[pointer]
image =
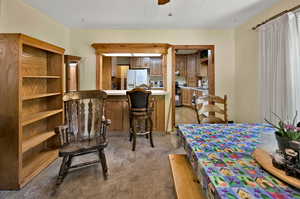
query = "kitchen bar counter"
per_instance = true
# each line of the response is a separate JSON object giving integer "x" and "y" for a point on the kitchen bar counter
{"x": 194, "y": 88}
{"x": 123, "y": 92}
{"x": 117, "y": 110}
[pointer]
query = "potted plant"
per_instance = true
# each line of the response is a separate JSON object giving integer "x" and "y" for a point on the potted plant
{"x": 286, "y": 131}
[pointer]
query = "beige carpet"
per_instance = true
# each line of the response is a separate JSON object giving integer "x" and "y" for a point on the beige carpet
{"x": 143, "y": 174}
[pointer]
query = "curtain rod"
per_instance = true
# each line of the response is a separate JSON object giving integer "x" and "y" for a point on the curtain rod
{"x": 276, "y": 16}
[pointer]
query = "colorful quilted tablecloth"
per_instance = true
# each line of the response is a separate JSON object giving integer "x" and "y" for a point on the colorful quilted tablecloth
{"x": 221, "y": 157}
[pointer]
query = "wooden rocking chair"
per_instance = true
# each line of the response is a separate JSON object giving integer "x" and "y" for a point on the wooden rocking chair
{"x": 74, "y": 139}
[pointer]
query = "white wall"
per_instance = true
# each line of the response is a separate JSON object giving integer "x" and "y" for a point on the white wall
{"x": 247, "y": 102}
{"x": 18, "y": 17}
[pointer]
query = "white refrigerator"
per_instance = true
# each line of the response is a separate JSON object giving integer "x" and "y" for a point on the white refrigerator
{"x": 137, "y": 77}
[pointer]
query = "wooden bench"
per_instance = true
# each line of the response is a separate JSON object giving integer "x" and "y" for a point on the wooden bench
{"x": 186, "y": 182}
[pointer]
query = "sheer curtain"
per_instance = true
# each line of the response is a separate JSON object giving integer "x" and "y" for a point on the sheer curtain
{"x": 280, "y": 68}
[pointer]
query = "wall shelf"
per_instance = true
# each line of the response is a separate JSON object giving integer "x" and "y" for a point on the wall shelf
{"x": 38, "y": 116}
{"x": 39, "y": 96}
{"x": 35, "y": 140}
{"x": 35, "y": 164}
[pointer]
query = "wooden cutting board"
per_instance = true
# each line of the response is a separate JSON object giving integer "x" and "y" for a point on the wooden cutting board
{"x": 264, "y": 159}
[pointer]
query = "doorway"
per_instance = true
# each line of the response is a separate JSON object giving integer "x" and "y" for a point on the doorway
{"x": 72, "y": 73}
{"x": 193, "y": 74}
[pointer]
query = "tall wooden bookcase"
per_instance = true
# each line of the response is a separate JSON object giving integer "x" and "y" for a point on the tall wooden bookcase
{"x": 31, "y": 89}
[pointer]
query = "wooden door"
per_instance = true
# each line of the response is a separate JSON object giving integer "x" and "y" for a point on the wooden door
{"x": 156, "y": 66}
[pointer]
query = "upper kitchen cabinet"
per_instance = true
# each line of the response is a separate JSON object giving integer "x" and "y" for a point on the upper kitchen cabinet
{"x": 181, "y": 65}
{"x": 153, "y": 63}
{"x": 156, "y": 66}
{"x": 140, "y": 62}
{"x": 202, "y": 65}
{"x": 191, "y": 71}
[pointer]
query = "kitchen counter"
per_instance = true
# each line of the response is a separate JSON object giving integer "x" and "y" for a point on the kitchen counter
{"x": 194, "y": 88}
{"x": 123, "y": 92}
{"x": 117, "y": 110}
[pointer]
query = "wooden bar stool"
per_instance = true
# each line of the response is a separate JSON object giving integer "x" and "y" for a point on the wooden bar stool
{"x": 140, "y": 111}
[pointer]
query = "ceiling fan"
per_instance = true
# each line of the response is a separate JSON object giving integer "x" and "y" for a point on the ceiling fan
{"x": 162, "y": 2}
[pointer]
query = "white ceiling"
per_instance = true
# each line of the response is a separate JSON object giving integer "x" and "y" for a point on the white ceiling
{"x": 146, "y": 14}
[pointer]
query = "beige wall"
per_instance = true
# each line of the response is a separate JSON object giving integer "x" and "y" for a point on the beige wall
{"x": 18, "y": 17}
{"x": 247, "y": 98}
{"x": 222, "y": 39}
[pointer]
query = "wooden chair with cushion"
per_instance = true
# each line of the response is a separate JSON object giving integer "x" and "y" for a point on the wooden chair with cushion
{"x": 140, "y": 112}
{"x": 85, "y": 131}
{"x": 211, "y": 109}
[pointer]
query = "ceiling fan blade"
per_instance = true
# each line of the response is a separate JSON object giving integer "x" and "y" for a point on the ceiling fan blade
{"x": 162, "y": 2}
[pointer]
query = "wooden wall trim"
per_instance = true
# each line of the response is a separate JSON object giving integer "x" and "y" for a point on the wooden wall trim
{"x": 131, "y": 48}
{"x": 99, "y": 65}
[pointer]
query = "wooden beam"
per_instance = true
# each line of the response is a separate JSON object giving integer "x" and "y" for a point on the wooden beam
{"x": 131, "y": 48}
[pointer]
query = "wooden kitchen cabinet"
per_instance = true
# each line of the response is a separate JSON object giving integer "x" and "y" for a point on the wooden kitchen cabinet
{"x": 184, "y": 96}
{"x": 203, "y": 70}
{"x": 140, "y": 62}
{"x": 202, "y": 67}
{"x": 187, "y": 95}
{"x": 117, "y": 112}
{"x": 191, "y": 70}
{"x": 181, "y": 65}
{"x": 155, "y": 66}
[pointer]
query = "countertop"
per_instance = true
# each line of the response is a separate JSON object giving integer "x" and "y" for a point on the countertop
{"x": 123, "y": 92}
{"x": 194, "y": 88}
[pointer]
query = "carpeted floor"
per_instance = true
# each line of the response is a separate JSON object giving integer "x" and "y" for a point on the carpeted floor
{"x": 143, "y": 174}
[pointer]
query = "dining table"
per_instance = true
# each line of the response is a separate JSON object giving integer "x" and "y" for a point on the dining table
{"x": 221, "y": 157}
